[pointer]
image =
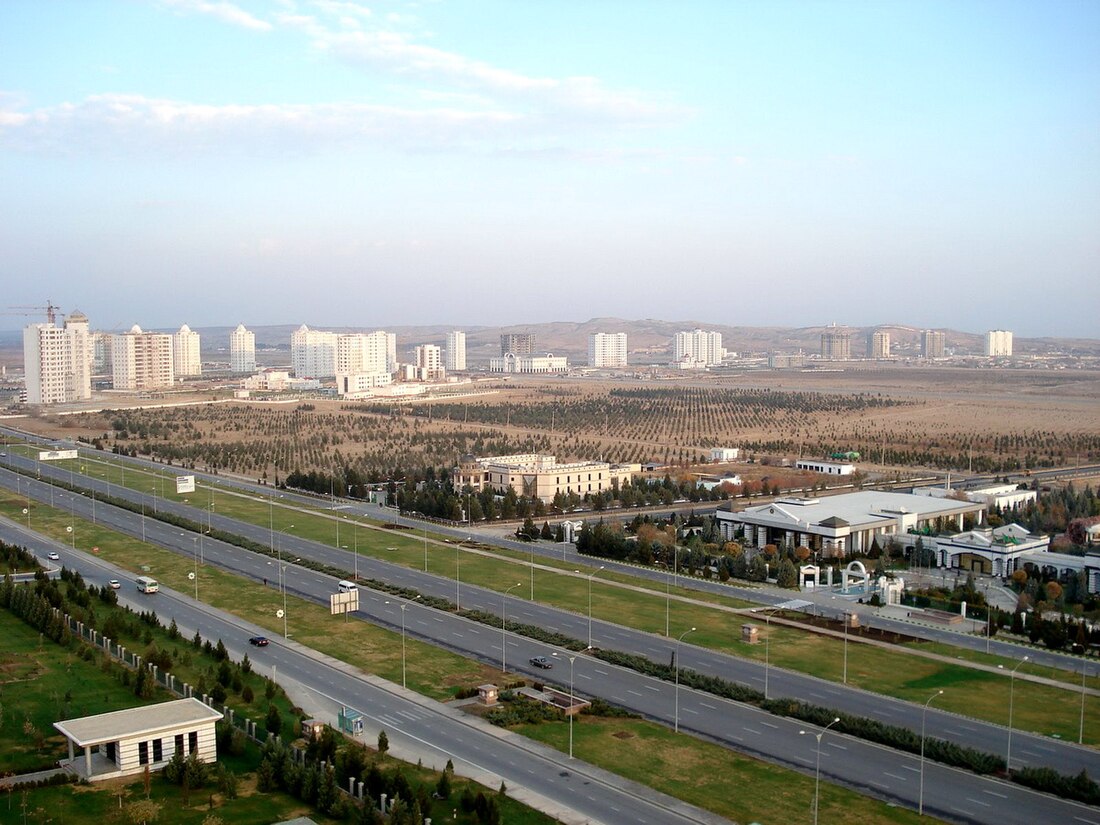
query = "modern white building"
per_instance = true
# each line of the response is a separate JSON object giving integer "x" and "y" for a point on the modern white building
{"x": 997, "y": 551}
{"x": 101, "y": 352}
{"x": 429, "y": 363}
{"x": 878, "y": 344}
{"x": 933, "y": 343}
{"x": 827, "y": 468}
{"x": 186, "y": 359}
{"x": 836, "y": 344}
{"x": 313, "y": 353}
{"x": 126, "y": 742}
{"x": 455, "y": 354}
{"x": 698, "y": 348}
{"x": 57, "y": 361}
{"x": 242, "y": 350}
{"x": 142, "y": 360}
{"x": 362, "y": 384}
{"x": 998, "y": 343}
{"x": 607, "y": 349}
{"x": 279, "y": 381}
{"x": 724, "y": 453}
{"x": 535, "y": 364}
{"x": 844, "y": 524}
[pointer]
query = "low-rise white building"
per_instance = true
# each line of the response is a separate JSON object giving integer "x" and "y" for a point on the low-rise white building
{"x": 826, "y": 468}
{"x": 539, "y": 476}
{"x": 843, "y": 524}
{"x": 279, "y": 381}
{"x": 997, "y": 551}
{"x": 533, "y": 364}
{"x": 724, "y": 453}
{"x": 360, "y": 384}
{"x": 126, "y": 742}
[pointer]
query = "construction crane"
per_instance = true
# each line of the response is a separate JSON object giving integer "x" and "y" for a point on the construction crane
{"x": 50, "y": 310}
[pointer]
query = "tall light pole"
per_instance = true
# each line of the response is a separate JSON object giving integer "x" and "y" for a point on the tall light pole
{"x": 767, "y": 643}
{"x": 504, "y": 626}
{"x": 817, "y": 769}
{"x": 923, "y": 713}
{"x": 425, "y": 548}
{"x": 1081, "y": 729}
{"x": 846, "y": 622}
{"x": 355, "y": 544}
{"x": 532, "y": 570}
{"x": 676, "y": 713}
{"x": 458, "y": 570}
{"x": 571, "y": 659}
{"x": 1011, "y": 691}
{"x": 195, "y": 555}
{"x": 282, "y": 577}
{"x": 590, "y": 575}
{"x": 668, "y": 592}
{"x": 404, "y": 607}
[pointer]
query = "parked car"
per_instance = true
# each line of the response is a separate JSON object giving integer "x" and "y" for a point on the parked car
{"x": 52, "y": 556}
{"x": 541, "y": 661}
{"x": 114, "y": 584}
{"x": 259, "y": 641}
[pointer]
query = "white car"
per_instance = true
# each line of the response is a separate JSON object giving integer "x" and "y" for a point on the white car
{"x": 52, "y": 556}
{"x": 114, "y": 584}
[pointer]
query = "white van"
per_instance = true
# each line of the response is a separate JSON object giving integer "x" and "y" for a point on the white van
{"x": 147, "y": 585}
{"x": 345, "y": 586}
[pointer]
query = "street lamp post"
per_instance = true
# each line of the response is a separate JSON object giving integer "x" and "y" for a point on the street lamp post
{"x": 282, "y": 577}
{"x": 924, "y": 712}
{"x": 572, "y": 659}
{"x": 1081, "y": 729}
{"x": 195, "y": 555}
{"x": 1011, "y": 692}
{"x": 425, "y": 548}
{"x": 504, "y": 627}
{"x": 590, "y": 575}
{"x": 846, "y": 623}
{"x": 668, "y": 592}
{"x": 767, "y": 644}
{"x": 676, "y": 713}
{"x": 404, "y": 607}
{"x": 817, "y": 768}
{"x": 458, "y": 571}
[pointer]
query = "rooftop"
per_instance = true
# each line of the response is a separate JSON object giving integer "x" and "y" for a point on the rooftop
{"x": 107, "y": 727}
{"x": 860, "y": 508}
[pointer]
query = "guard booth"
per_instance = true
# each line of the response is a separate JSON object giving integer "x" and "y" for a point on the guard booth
{"x": 350, "y": 721}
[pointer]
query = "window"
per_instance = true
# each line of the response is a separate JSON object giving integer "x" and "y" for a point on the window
{"x": 143, "y": 753}
{"x": 179, "y": 743}
{"x": 192, "y": 741}
{"x": 158, "y": 754}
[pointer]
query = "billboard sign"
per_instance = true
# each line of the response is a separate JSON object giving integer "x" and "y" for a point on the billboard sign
{"x": 57, "y": 455}
{"x": 185, "y": 484}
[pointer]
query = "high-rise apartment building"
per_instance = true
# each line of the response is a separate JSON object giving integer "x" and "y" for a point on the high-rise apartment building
{"x": 100, "y": 343}
{"x": 429, "y": 363}
{"x": 242, "y": 350}
{"x": 607, "y": 349}
{"x": 455, "y": 355}
{"x": 364, "y": 352}
{"x": 836, "y": 344}
{"x": 698, "y": 348}
{"x": 517, "y": 343}
{"x": 318, "y": 354}
{"x": 57, "y": 361}
{"x": 313, "y": 353}
{"x": 142, "y": 360}
{"x": 933, "y": 344}
{"x": 878, "y": 344}
{"x": 186, "y": 360}
{"x": 998, "y": 343}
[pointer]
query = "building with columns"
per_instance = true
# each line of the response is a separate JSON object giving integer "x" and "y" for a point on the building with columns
{"x": 126, "y": 742}
{"x": 837, "y": 526}
{"x": 538, "y": 476}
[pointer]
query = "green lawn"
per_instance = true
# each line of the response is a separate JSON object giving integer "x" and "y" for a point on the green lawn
{"x": 709, "y": 776}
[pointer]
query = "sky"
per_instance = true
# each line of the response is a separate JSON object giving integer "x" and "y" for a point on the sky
{"x": 763, "y": 163}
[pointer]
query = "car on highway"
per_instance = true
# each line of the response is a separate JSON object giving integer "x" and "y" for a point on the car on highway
{"x": 258, "y": 641}
{"x": 541, "y": 661}
{"x": 52, "y": 556}
{"x": 114, "y": 584}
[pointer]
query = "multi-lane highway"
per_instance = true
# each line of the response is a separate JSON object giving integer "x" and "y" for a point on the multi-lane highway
{"x": 877, "y": 770}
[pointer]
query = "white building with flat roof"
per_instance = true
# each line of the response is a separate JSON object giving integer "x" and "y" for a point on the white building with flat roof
{"x": 997, "y": 551}
{"x": 242, "y": 350}
{"x": 57, "y": 361}
{"x": 126, "y": 742}
{"x": 142, "y": 360}
{"x": 826, "y": 468}
{"x": 186, "y": 358}
{"x": 533, "y": 364}
{"x": 538, "y": 476}
{"x": 455, "y": 352}
{"x": 998, "y": 343}
{"x": 697, "y": 349}
{"x": 843, "y": 524}
{"x": 429, "y": 363}
{"x": 607, "y": 349}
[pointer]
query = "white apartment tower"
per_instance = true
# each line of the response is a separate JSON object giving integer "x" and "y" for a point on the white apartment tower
{"x": 455, "y": 356}
{"x": 186, "y": 360}
{"x": 607, "y": 349}
{"x": 142, "y": 360}
{"x": 57, "y": 361}
{"x": 313, "y": 353}
{"x": 878, "y": 344}
{"x": 698, "y": 348}
{"x": 364, "y": 352}
{"x": 998, "y": 343}
{"x": 242, "y": 350}
{"x": 933, "y": 344}
{"x": 429, "y": 363}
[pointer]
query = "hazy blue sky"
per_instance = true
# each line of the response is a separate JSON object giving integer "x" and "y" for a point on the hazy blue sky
{"x": 479, "y": 162}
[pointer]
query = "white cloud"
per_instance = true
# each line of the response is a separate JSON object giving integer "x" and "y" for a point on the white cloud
{"x": 224, "y": 11}
{"x": 127, "y": 123}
